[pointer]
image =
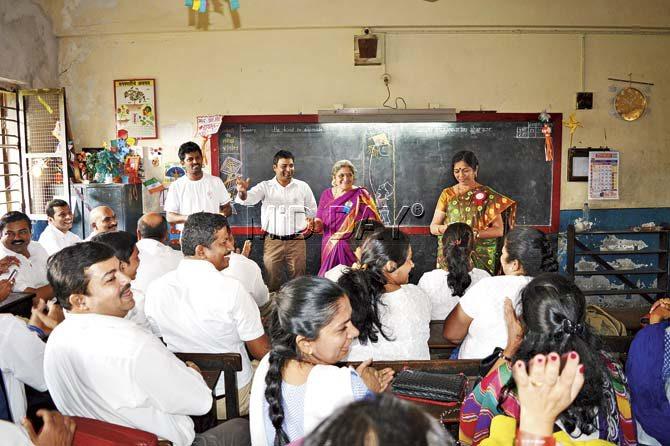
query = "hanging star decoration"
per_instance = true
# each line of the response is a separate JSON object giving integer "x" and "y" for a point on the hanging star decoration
{"x": 545, "y": 119}
{"x": 572, "y": 124}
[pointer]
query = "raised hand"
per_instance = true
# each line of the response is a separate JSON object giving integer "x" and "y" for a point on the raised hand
{"x": 242, "y": 185}
{"x": 7, "y": 262}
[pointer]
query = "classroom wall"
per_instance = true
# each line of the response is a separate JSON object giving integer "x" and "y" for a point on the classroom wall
{"x": 296, "y": 56}
{"x": 28, "y": 46}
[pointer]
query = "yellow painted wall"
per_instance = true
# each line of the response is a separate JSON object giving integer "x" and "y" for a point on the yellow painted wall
{"x": 296, "y": 56}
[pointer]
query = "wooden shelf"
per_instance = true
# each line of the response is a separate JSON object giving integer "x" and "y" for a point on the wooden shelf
{"x": 609, "y": 292}
{"x": 619, "y": 231}
{"x": 616, "y": 272}
{"x": 622, "y": 252}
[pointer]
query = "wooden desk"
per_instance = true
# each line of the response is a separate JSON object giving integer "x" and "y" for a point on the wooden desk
{"x": 18, "y": 304}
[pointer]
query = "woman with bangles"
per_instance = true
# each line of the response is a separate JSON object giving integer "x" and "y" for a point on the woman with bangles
{"x": 476, "y": 205}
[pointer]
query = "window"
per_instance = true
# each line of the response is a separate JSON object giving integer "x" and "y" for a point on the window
{"x": 11, "y": 197}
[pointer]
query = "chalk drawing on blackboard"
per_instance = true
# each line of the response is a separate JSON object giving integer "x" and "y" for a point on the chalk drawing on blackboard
{"x": 386, "y": 217}
{"x": 529, "y": 131}
{"x": 231, "y": 165}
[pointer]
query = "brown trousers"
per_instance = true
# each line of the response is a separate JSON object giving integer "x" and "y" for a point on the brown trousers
{"x": 283, "y": 256}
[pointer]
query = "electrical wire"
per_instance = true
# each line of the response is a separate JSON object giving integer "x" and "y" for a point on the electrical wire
{"x": 388, "y": 90}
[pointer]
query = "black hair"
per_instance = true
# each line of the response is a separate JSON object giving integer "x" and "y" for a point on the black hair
{"x": 364, "y": 284}
{"x": 532, "y": 249}
{"x": 158, "y": 232}
{"x": 282, "y": 154}
{"x": 363, "y": 229}
{"x": 467, "y": 156}
{"x": 303, "y": 307}
{"x": 380, "y": 420}
{"x": 200, "y": 229}
{"x": 121, "y": 242}
{"x": 554, "y": 319}
{"x": 66, "y": 269}
{"x": 56, "y": 203}
{"x": 188, "y": 147}
{"x": 13, "y": 217}
{"x": 458, "y": 242}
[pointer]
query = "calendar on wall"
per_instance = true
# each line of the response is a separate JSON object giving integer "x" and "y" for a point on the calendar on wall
{"x": 604, "y": 175}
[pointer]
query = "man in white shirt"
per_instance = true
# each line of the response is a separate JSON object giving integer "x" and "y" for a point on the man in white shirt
{"x": 21, "y": 362}
{"x": 99, "y": 365}
{"x": 197, "y": 191}
{"x": 248, "y": 272}
{"x": 31, "y": 275}
{"x": 156, "y": 258}
{"x": 124, "y": 245}
{"x": 57, "y": 235}
{"x": 198, "y": 310}
{"x": 103, "y": 219}
{"x": 288, "y": 209}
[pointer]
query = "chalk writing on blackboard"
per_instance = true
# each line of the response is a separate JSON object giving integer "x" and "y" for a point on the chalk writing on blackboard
{"x": 229, "y": 140}
{"x": 531, "y": 130}
{"x": 231, "y": 165}
{"x": 292, "y": 128}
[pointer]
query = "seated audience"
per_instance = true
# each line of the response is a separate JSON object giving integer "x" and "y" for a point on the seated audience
{"x": 380, "y": 420}
{"x": 31, "y": 275}
{"x": 6, "y": 285}
{"x": 392, "y": 316}
{"x": 103, "y": 219}
{"x": 248, "y": 273}
{"x": 363, "y": 229}
{"x": 156, "y": 257}
{"x": 446, "y": 285}
{"x": 99, "y": 365}
{"x": 553, "y": 320}
{"x": 198, "y": 310}
{"x": 57, "y": 431}
{"x": 297, "y": 385}
{"x": 21, "y": 362}
{"x": 648, "y": 372}
{"x": 57, "y": 235}
{"x": 478, "y": 318}
{"x": 124, "y": 245}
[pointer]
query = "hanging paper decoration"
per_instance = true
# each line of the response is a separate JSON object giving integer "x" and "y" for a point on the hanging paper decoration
{"x": 196, "y": 5}
{"x": 188, "y": 3}
{"x": 203, "y": 6}
{"x": 548, "y": 143}
{"x": 46, "y": 106}
{"x": 234, "y": 5}
{"x": 572, "y": 124}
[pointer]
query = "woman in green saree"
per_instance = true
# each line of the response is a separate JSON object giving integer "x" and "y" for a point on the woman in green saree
{"x": 476, "y": 205}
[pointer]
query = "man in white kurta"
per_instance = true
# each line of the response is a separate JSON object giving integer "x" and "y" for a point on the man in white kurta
{"x": 197, "y": 191}
{"x": 21, "y": 362}
{"x": 198, "y": 310}
{"x": 57, "y": 235}
{"x": 99, "y": 365}
{"x": 31, "y": 273}
{"x": 156, "y": 258}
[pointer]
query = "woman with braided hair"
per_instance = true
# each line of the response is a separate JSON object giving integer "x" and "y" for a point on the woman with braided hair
{"x": 478, "y": 319}
{"x": 552, "y": 323}
{"x": 296, "y": 385}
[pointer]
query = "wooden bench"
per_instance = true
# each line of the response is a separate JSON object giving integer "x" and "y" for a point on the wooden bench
{"x": 212, "y": 365}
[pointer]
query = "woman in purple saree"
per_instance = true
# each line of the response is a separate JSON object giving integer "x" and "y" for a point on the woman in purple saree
{"x": 340, "y": 208}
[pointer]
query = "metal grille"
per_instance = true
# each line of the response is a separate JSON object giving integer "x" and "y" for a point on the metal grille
{"x": 46, "y": 182}
{"x": 41, "y": 122}
{"x": 10, "y": 155}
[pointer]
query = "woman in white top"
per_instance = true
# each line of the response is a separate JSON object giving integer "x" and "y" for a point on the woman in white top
{"x": 296, "y": 385}
{"x": 392, "y": 316}
{"x": 478, "y": 319}
{"x": 446, "y": 285}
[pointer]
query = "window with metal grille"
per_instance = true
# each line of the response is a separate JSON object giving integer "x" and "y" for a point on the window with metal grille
{"x": 11, "y": 197}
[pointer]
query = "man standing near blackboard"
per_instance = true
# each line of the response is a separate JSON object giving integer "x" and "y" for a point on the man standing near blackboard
{"x": 287, "y": 211}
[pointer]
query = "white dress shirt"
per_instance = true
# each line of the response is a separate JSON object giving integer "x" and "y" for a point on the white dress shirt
{"x": 197, "y": 309}
{"x": 248, "y": 273}
{"x": 21, "y": 361}
{"x": 442, "y": 299}
{"x": 405, "y": 317}
{"x": 107, "y": 368}
{"x": 53, "y": 239}
{"x": 156, "y": 259}
{"x": 13, "y": 435}
{"x": 284, "y": 209}
{"x": 32, "y": 272}
{"x": 136, "y": 314}
{"x": 186, "y": 196}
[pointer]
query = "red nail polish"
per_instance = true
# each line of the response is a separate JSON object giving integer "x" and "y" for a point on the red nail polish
{"x": 540, "y": 360}
{"x": 553, "y": 357}
{"x": 573, "y": 355}
{"x": 581, "y": 369}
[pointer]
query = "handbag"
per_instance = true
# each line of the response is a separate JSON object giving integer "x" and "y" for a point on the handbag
{"x": 442, "y": 387}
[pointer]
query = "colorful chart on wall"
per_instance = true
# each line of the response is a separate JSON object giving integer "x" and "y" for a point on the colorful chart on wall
{"x": 173, "y": 171}
{"x": 135, "y": 105}
{"x": 604, "y": 175}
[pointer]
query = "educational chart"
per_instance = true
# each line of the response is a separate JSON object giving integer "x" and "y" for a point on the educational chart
{"x": 135, "y": 104}
{"x": 604, "y": 175}
{"x": 405, "y": 166}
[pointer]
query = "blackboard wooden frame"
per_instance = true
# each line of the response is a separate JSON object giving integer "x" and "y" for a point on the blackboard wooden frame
{"x": 556, "y": 121}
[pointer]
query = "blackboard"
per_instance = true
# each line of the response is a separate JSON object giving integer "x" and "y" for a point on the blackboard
{"x": 404, "y": 165}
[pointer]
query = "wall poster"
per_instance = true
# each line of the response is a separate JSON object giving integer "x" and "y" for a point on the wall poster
{"x": 604, "y": 175}
{"x": 135, "y": 105}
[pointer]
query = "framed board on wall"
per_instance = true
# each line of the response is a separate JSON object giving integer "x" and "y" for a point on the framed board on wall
{"x": 135, "y": 107}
